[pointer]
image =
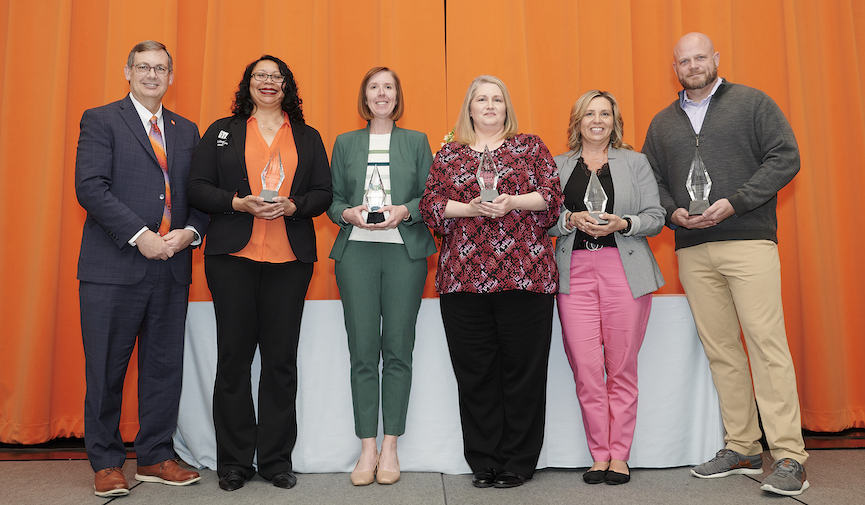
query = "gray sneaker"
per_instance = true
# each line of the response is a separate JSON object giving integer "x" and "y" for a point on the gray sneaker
{"x": 728, "y": 462}
{"x": 788, "y": 478}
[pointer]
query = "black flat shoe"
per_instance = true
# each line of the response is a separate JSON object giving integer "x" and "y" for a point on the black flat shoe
{"x": 506, "y": 479}
{"x": 594, "y": 476}
{"x": 485, "y": 477}
{"x": 616, "y": 478}
{"x": 285, "y": 480}
{"x": 232, "y": 481}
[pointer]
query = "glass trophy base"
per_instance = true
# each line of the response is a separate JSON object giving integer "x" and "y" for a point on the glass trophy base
{"x": 268, "y": 195}
{"x": 697, "y": 207}
{"x": 488, "y": 195}
{"x": 597, "y": 215}
{"x": 375, "y": 218}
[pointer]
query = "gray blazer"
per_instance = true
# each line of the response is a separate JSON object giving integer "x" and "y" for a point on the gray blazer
{"x": 636, "y": 198}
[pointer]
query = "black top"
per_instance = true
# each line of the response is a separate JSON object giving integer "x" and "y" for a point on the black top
{"x": 575, "y": 191}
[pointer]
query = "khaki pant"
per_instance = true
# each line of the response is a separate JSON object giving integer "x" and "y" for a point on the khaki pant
{"x": 739, "y": 282}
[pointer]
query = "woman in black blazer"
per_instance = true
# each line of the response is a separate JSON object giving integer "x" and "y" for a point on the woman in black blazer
{"x": 258, "y": 261}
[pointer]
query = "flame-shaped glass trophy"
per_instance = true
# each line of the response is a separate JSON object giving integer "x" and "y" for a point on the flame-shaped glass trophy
{"x": 272, "y": 177}
{"x": 596, "y": 198}
{"x": 488, "y": 176}
{"x": 699, "y": 184}
{"x": 375, "y": 197}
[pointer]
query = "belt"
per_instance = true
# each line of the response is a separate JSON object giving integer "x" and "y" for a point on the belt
{"x": 589, "y": 246}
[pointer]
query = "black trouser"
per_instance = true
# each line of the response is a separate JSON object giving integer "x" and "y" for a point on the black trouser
{"x": 500, "y": 345}
{"x": 256, "y": 304}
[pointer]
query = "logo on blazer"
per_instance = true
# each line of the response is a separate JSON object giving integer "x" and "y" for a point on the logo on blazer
{"x": 222, "y": 138}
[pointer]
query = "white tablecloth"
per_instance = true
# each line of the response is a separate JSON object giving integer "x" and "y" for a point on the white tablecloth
{"x": 678, "y": 418}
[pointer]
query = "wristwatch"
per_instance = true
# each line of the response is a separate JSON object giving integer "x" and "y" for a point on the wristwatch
{"x": 627, "y": 228}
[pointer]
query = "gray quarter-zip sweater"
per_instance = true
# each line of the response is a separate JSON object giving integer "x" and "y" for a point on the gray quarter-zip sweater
{"x": 749, "y": 150}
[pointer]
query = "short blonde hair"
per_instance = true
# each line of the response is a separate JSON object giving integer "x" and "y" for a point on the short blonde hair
{"x": 363, "y": 108}
{"x": 464, "y": 132}
{"x": 575, "y": 136}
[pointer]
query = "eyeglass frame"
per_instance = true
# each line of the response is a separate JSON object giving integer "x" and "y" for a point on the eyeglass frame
{"x": 272, "y": 77}
{"x": 144, "y": 69}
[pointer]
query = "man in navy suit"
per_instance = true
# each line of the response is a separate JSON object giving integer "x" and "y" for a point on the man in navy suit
{"x": 135, "y": 268}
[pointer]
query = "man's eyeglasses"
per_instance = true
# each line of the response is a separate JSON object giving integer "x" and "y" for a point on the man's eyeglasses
{"x": 262, "y": 77}
{"x": 144, "y": 69}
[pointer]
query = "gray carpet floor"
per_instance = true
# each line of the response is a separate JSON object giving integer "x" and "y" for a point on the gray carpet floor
{"x": 836, "y": 477}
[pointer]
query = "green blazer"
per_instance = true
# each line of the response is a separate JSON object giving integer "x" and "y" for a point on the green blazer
{"x": 410, "y": 160}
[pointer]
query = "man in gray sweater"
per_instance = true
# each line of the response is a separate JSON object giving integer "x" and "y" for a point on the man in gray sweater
{"x": 728, "y": 256}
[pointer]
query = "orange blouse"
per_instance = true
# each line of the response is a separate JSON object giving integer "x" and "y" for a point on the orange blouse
{"x": 269, "y": 240}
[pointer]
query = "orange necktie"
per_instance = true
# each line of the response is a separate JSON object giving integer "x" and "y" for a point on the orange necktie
{"x": 159, "y": 149}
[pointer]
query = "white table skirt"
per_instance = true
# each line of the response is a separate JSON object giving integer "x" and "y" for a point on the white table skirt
{"x": 678, "y": 418}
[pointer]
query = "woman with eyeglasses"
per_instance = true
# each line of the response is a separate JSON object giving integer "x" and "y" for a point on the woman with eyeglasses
{"x": 262, "y": 175}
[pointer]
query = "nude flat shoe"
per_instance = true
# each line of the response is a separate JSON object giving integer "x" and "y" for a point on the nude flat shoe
{"x": 364, "y": 478}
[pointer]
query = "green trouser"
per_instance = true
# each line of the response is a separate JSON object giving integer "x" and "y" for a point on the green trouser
{"x": 381, "y": 289}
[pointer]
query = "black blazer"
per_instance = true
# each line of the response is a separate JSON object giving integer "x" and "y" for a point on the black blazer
{"x": 218, "y": 173}
{"x": 119, "y": 183}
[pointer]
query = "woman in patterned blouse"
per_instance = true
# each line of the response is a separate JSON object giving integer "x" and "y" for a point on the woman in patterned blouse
{"x": 497, "y": 280}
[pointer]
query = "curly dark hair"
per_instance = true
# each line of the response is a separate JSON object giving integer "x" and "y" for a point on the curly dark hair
{"x": 292, "y": 104}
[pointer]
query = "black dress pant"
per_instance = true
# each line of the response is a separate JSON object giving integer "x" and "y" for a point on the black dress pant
{"x": 257, "y": 305}
{"x": 500, "y": 345}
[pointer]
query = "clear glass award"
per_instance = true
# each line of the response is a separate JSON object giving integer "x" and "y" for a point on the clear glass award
{"x": 596, "y": 198}
{"x": 375, "y": 197}
{"x": 272, "y": 177}
{"x": 488, "y": 176}
{"x": 699, "y": 184}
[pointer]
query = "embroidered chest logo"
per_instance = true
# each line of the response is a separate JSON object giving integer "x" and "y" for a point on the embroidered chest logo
{"x": 222, "y": 138}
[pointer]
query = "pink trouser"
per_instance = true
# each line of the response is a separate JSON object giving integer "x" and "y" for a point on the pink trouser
{"x": 603, "y": 328}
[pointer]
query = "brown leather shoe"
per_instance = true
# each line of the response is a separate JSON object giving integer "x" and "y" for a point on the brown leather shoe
{"x": 110, "y": 482}
{"x": 167, "y": 472}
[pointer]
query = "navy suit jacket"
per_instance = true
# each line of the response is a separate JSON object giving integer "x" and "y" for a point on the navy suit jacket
{"x": 119, "y": 183}
{"x": 219, "y": 173}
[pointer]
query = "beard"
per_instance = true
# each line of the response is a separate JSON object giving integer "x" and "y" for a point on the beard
{"x": 700, "y": 83}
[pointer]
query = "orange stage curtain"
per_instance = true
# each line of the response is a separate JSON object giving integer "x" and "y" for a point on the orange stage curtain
{"x": 59, "y": 58}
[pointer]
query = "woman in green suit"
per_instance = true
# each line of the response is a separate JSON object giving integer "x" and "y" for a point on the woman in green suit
{"x": 381, "y": 267}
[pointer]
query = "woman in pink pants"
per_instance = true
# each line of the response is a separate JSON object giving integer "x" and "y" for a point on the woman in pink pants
{"x": 606, "y": 276}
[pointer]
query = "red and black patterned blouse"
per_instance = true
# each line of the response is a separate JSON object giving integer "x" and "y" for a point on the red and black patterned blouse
{"x": 483, "y": 255}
